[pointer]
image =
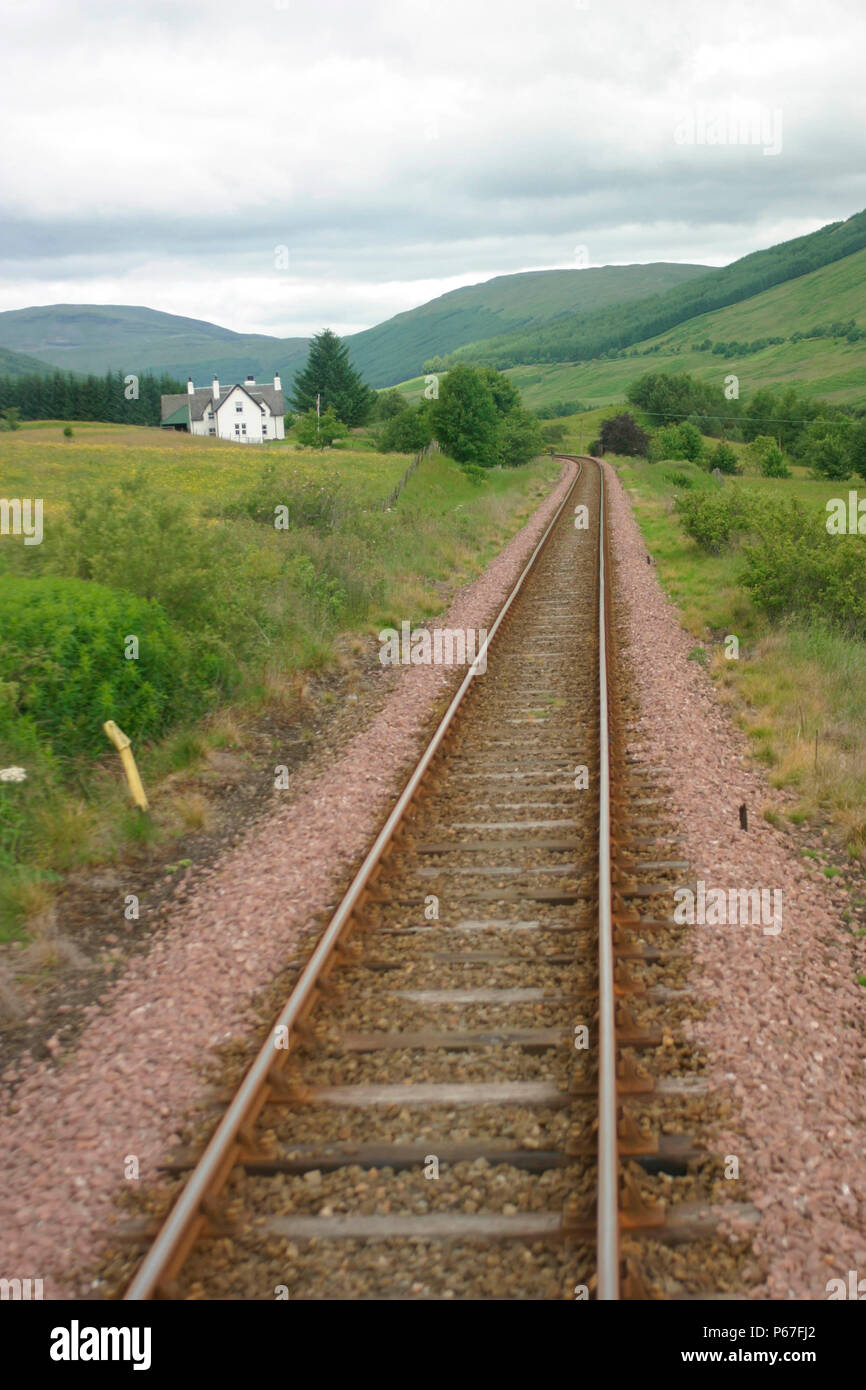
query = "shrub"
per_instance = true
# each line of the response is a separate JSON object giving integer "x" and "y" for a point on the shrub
{"x": 63, "y": 671}
{"x": 765, "y": 454}
{"x": 186, "y": 567}
{"x": 621, "y": 434}
{"x": 793, "y": 567}
{"x": 773, "y": 464}
{"x": 388, "y": 404}
{"x": 714, "y": 519}
{"x": 474, "y": 472}
{"x": 408, "y": 431}
{"x": 677, "y": 478}
{"x": 67, "y": 431}
{"x": 724, "y": 458}
{"x": 320, "y": 432}
{"x": 829, "y": 457}
{"x": 825, "y": 446}
{"x": 677, "y": 442}
{"x": 692, "y": 442}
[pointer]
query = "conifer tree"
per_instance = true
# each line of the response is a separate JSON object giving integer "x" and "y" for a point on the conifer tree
{"x": 328, "y": 373}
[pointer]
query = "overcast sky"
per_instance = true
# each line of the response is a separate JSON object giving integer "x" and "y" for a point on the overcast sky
{"x": 278, "y": 167}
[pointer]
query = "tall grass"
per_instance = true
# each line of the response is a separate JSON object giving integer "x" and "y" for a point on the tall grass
{"x": 253, "y": 608}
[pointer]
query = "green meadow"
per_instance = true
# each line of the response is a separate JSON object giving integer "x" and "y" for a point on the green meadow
{"x": 172, "y": 540}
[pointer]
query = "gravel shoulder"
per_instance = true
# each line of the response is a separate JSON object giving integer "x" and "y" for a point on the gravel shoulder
{"x": 116, "y": 1101}
{"x": 785, "y": 1035}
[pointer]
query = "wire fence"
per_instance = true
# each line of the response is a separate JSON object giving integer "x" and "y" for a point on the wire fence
{"x": 391, "y": 499}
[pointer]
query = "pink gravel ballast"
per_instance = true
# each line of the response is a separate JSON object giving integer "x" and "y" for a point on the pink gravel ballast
{"x": 785, "y": 1036}
{"x": 125, "y": 1087}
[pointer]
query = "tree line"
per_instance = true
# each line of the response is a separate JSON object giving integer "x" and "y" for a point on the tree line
{"x": 776, "y": 423}
{"x": 116, "y": 398}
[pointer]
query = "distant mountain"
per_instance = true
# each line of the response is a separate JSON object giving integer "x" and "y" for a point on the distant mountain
{"x": 399, "y": 347}
{"x": 120, "y": 337}
{"x": 581, "y": 337}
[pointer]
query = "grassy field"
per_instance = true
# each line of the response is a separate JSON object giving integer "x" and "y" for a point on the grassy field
{"x": 182, "y": 532}
{"x": 797, "y": 689}
{"x": 197, "y": 468}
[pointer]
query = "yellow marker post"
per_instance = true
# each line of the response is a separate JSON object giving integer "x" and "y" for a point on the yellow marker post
{"x": 124, "y": 748}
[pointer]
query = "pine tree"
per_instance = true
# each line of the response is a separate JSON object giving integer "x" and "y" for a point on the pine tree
{"x": 329, "y": 373}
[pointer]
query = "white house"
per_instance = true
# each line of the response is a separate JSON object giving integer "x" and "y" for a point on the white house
{"x": 247, "y": 414}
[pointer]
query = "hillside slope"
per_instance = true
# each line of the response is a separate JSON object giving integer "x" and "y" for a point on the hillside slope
{"x": 582, "y": 337}
{"x": 399, "y": 347}
{"x": 826, "y": 366}
{"x": 18, "y": 364}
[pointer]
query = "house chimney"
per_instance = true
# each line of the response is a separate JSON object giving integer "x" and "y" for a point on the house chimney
{"x": 189, "y": 386}
{"x": 215, "y": 389}
{"x": 278, "y": 385}
{"x": 250, "y": 381}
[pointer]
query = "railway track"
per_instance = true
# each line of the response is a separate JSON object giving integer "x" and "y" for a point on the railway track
{"x": 445, "y": 1105}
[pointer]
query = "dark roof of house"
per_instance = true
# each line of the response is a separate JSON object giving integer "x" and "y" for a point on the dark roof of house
{"x": 199, "y": 400}
{"x": 180, "y": 416}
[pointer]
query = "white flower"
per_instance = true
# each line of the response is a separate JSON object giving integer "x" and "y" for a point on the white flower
{"x": 13, "y": 774}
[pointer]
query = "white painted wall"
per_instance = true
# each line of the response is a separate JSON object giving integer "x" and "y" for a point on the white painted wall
{"x": 239, "y": 418}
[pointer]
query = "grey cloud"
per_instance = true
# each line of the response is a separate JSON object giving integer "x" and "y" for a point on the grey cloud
{"x": 552, "y": 127}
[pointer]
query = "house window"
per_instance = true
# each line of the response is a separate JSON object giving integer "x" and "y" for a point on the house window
{"x": 239, "y": 405}
{"x": 237, "y": 429}
{"x": 244, "y": 429}
{"x": 212, "y": 429}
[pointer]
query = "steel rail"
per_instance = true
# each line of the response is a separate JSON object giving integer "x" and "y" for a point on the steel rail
{"x": 607, "y": 1235}
{"x": 186, "y": 1218}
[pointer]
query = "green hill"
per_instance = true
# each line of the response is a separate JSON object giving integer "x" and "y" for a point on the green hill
{"x": 582, "y": 337}
{"x": 398, "y": 348}
{"x": 120, "y": 337}
{"x": 823, "y": 364}
{"x": 17, "y": 364}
